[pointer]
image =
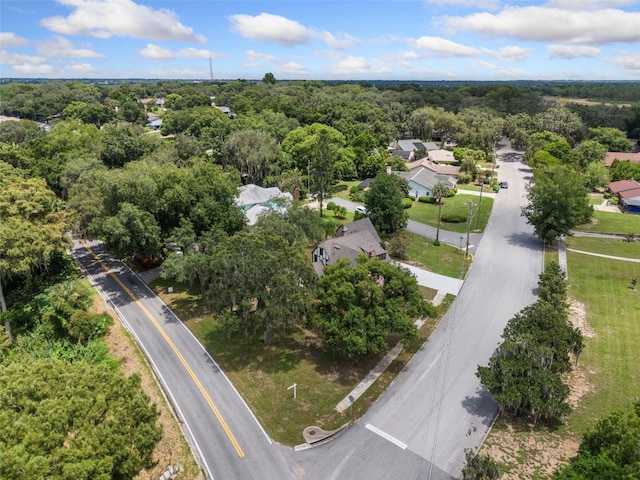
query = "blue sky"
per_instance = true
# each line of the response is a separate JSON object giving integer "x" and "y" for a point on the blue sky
{"x": 331, "y": 39}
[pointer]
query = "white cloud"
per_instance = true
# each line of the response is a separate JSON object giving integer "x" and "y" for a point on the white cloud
{"x": 254, "y": 56}
{"x": 7, "y": 58}
{"x": 82, "y": 69}
{"x": 125, "y": 18}
{"x": 543, "y": 24}
{"x": 274, "y": 28}
{"x": 353, "y": 66}
{"x": 156, "y": 52}
{"x": 267, "y": 27}
{"x": 570, "y": 52}
{"x": 343, "y": 42}
{"x": 293, "y": 68}
{"x": 62, "y": 47}
{"x": 40, "y": 70}
{"x": 8, "y": 39}
{"x": 444, "y": 47}
{"x": 628, "y": 61}
{"x": 510, "y": 54}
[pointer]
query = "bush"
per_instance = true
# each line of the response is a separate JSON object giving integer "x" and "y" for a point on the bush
{"x": 464, "y": 179}
{"x": 406, "y": 203}
{"x": 452, "y": 192}
{"x": 427, "y": 200}
{"x": 356, "y": 194}
{"x": 454, "y": 217}
{"x": 331, "y": 206}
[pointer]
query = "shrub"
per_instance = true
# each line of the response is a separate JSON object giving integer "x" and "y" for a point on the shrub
{"x": 406, "y": 203}
{"x": 427, "y": 200}
{"x": 356, "y": 194}
{"x": 331, "y": 206}
{"x": 464, "y": 179}
{"x": 454, "y": 217}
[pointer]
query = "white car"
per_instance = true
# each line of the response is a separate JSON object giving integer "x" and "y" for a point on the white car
{"x": 361, "y": 209}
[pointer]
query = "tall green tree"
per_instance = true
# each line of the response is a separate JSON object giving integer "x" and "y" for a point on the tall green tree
{"x": 359, "y": 306}
{"x": 260, "y": 280}
{"x": 384, "y": 202}
{"x": 612, "y": 139}
{"x": 62, "y": 420}
{"x": 558, "y": 202}
{"x": 33, "y": 227}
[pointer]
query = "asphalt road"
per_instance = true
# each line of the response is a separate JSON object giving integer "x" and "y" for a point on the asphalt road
{"x": 223, "y": 432}
{"x": 420, "y": 427}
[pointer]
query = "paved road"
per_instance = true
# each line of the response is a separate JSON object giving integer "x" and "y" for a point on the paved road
{"x": 437, "y": 407}
{"x": 223, "y": 432}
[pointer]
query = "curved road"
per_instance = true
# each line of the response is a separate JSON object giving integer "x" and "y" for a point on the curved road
{"x": 225, "y": 436}
{"x": 418, "y": 429}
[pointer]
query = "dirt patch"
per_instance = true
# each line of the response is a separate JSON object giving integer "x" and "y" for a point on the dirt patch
{"x": 173, "y": 448}
{"x": 530, "y": 451}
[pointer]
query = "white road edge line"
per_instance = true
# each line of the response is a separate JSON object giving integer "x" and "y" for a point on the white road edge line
{"x": 386, "y": 436}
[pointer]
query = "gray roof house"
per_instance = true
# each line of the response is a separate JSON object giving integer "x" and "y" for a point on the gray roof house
{"x": 351, "y": 240}
{"x": 407, "y": 148}
{"x": 255, "y": 200}
{"x": 422, "y": 180}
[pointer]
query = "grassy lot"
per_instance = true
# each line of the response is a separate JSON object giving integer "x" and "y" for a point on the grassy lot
{"x": 612, "y": 222}
{"x": 607, "y": 372}
{"x": 443, "y": 259}
{"x": 605, "y": 246}
{"x": 610, "y": 357}
{"x": 342, "y": 189}
{"x": 427, "y": 213}
{"x": 262, "y": 374}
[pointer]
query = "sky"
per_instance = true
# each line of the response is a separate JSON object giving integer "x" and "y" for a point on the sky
{"x": 321, "y": 40}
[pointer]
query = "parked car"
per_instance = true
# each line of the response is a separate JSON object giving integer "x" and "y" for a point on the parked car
{"x": 504, "y": 185}
{"x": 362, "y": 210}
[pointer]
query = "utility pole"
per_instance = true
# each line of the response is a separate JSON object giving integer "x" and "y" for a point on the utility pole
{"x": 470, "y": 205}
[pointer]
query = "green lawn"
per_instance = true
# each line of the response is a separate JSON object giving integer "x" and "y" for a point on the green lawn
{"x": 427, "y": 213}
{"x": 262, "y": 374}
{"x": 612, "y": 222}
{"x": 605, "y": 246}
{"x": 443, "y": 259}
{"x": 611, "y": 355}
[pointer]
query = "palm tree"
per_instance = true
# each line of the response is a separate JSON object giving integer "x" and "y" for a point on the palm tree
{"x": 440, "y": 190}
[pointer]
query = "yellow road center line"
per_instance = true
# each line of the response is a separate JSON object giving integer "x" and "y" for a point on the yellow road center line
{"x": 193, "y": 376}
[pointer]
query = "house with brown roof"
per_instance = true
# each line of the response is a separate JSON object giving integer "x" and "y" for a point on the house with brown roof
{"x": 633, "y": 157}
{"x": 628, "y": 193}
{"x": 352, "y": 239}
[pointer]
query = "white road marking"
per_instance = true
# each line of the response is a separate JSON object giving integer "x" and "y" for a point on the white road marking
{"x": 386, "y": 436}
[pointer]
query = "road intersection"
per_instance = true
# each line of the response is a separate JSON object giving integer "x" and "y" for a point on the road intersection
{"x": 419, "y": 428}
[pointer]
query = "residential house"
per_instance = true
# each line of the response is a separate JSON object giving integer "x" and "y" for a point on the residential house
{"x": 255, "y": 200}
{"x": 352, "y": 239}
{"x": 422, "y": 180}
{"x": 227, "y": 111}
{"x": 439, "y": 162}
{"x": 628, "y": 193}
{"x": 633, "y": 157}
{"x": 407, "y": 148}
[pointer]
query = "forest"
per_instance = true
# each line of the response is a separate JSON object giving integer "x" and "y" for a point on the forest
{"x": 84, "y": 157}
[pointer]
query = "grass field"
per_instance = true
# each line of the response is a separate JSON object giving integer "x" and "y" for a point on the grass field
{"x": 262, "y": 373}
{"x": 427, "y": 213}
{"x": 605, "y": 246}
{"x": 443, "y": 259}
{"x": 609, "y": 222}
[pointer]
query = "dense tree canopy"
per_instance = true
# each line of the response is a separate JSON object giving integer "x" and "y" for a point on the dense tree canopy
{"x": 62, "y": 421}
{"x": 360, "y": 306}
